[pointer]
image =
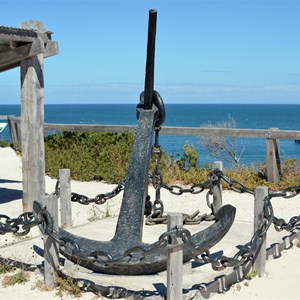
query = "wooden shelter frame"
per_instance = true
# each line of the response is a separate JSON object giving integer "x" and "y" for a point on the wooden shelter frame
{"x": 26, "y": 47}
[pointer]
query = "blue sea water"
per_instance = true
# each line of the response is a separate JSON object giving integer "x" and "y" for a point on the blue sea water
{"x": 285, "y": 117}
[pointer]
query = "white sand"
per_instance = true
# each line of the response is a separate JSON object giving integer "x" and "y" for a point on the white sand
{"x": 280, "y": 281}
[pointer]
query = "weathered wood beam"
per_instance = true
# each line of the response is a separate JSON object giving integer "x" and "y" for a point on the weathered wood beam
{"x": 51, "y": 49}
{"x": 4, "y": 48}
{"x": 90, "y": 128}
{"x": 192, "y": 131}
{"x": 17, "y": 37}
{"x": 13, "y": 57}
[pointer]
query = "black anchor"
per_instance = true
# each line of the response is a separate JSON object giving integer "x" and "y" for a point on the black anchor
{"x": 124, "y": 254}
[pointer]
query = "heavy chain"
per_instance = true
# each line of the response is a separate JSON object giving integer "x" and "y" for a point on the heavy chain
{"x": 99, "y": 199}
{"x": 157, "y": 180}
{"x": 289, "y": 192}
{"x": 176, "y": 236}
{"x": 40, "y": 217}
{"x": 235, "y": 185}
{"x": 138, "y": 253}
{"x": 182, "y": 235}
{"x": 202, "y": 255}
{"x": 279, "y": 223}
{"x": 247, "y": 251}
{"x": 22, "y": 225}
{"x": 19, "y": 226}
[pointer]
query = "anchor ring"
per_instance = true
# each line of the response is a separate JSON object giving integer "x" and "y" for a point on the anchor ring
{"x": 158, "y": 102}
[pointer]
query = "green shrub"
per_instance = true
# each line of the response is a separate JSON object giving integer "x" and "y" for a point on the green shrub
{"x": 106, "y": 156}
{"x": 189, "y": 158}
{"x": 191, "y": 155}
{"x": 89, "y": 156}
{"x": 4, "y": 144}
{"x": 6, "y": 267}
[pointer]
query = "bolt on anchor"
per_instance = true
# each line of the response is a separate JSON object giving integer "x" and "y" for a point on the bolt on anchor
{"x": 125, "y": 253}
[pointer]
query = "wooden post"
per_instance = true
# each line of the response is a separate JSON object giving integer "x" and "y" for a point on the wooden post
{"x": 65, "y": 198}
{"x": 13, "y": 130}
{"x": 175, "y": 262}
{"x": 32, "y": 128}
{"x": 51, "y": 249}
{"x": 217, "y": 188}
{"x": 19, "y": 133}
{"x": 273, "y": 159}
{"x": 259, "y": 264}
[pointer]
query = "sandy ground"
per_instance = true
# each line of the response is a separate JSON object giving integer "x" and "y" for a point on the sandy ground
{"x": 280, "y": 281}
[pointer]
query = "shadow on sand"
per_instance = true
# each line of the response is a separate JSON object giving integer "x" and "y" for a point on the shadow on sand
{"x": 9, "y": 194}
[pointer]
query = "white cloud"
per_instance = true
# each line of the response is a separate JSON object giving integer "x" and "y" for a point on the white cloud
{"x": 171, "y": 93}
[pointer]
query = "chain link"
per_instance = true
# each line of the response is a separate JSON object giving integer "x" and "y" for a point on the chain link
{"x": 234, "y": 184}
{"x": 279, "y": 223}
{"x": 19, "y": 226}
{"x": 22, "y": 225}
{"x": 99, "y": 199}
{"x": 247, "y": 251}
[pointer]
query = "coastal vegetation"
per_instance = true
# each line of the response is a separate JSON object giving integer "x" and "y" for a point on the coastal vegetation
{"x": 223, "y": 148}
{"x": 11, "y": 275}
{"x": 106, "y": 156}
{"x": 4, "y": 143}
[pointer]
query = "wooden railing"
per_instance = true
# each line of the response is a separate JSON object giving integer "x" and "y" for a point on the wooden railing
{"x": 272, "y": 136}
{"x": 15, "y": 129}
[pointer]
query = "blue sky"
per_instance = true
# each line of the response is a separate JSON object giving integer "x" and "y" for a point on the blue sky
{"x": 206, "y": 51}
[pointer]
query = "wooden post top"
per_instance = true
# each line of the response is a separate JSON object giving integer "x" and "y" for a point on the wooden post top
{"x": 33, "y": 25}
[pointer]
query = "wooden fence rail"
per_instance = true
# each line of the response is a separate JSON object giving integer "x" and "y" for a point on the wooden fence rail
{"x": 192, "y": 131}
{"x": 272, "y": 136}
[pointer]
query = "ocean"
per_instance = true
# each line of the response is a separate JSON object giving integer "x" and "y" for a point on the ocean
{"x": 254, "y": 116}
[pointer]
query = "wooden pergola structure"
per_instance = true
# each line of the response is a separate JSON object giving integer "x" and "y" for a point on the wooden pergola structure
{"x": 26, "y": 47}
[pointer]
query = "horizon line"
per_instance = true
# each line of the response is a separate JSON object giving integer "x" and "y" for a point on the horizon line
{"x": 173, "y": 103}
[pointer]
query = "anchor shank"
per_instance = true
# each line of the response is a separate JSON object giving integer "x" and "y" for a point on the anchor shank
{"x": 130, "y": 222}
